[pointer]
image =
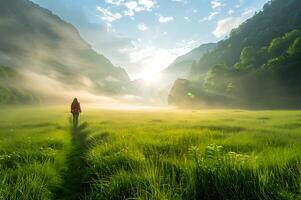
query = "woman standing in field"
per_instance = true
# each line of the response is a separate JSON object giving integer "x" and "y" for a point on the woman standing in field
{"x": 75, "y": 110}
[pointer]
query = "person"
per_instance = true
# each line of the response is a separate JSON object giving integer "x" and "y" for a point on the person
{"x": 75, "y": 110}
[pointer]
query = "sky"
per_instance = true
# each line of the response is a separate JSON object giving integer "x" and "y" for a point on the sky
{"x": 145, "y": 36}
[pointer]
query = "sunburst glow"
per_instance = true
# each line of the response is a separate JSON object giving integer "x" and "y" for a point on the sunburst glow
{"x": 150, "y": 76}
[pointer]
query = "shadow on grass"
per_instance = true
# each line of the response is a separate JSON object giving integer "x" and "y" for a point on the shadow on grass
{"x": 221, "y": 128}
{"x": 75, "y": 185}
{"x": 289, "y": 126}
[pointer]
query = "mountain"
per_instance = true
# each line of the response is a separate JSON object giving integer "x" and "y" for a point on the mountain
{"x": 257, "y": 66}
{"x": 181, "y": 67}
{"x": 11, "y": 91}
{"x": 194, "y": 54}
{"x": 35, "y": 41}
{"x": 276, "y": 19}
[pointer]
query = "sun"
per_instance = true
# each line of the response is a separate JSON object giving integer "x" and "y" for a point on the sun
{"x": 150, "y": 76}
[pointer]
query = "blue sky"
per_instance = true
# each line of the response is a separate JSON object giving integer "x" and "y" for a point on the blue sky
{"x": 145, "y": 36}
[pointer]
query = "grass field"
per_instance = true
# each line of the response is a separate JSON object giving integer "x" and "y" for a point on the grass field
{"x": 164, "y": 154}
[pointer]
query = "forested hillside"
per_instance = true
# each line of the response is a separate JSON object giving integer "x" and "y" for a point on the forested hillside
{"x": 257, "y": 66}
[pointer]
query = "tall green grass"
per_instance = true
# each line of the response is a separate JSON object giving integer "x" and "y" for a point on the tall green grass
{"x": 230, "y": 154}
{"x": 33, "y": 144}
{"x": 166, "y": 154}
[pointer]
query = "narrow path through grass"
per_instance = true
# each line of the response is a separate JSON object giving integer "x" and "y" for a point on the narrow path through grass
{"x": 74, "y": 186}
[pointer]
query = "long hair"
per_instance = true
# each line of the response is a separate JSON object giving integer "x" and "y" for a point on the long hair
{"x": 75, "y": 100}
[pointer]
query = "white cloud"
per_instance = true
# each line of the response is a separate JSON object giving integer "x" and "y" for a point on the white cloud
{"x": 133, "y": 6}
{"x": 129, "y": 13}
{"x": 187, "y": 19}
{"x": 165, "y": 19}
{"x": 224, "y": 26}
{"x": 115, "y": 2}
{"x": 248, "y": 13}
{"x": 180, "y": 1}
{"x": 107, "y": 15}
{"x": 148, "y": 4}
{"x": 142, "y": 27}
{"x": 164, "y": 33}
{"x": 209, "y": 17}
{"x": 192, "y": 42}
{"x": 216, "y": 4}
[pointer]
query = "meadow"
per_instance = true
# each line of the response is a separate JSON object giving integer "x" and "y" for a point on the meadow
{"x": 149, "y": 154}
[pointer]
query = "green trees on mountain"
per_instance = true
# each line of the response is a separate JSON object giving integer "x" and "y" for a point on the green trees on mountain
{"x": 259, "y": 64}
{"x": 277, "y": 18}
{"x": 269, "y": 74}
{"x": 218, "y": 78}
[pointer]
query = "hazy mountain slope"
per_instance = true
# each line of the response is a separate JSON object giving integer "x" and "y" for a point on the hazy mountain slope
{"x": 257, "y": 66}
{"x": 181, "y": 67}
{"x": 35, "y": 40}
{"x": 11, "y": 91}
{"x": 195, "y": 54}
